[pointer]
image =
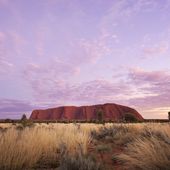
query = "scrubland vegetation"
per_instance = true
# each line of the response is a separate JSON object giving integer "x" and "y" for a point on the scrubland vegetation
{"x": 143, "y": 146}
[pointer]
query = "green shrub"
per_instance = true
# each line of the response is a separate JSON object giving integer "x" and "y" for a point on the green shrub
{"x": 25, "y": 122}
{"x": 103, "y": 132}
{"x": 114, "y": 158}
{"x": 100, "y": 116}
{"x": 24, "y": 117}
{"x": 78, "y": 161}
{"x": 8, "y": 121}
{"x": 103, "y": 148}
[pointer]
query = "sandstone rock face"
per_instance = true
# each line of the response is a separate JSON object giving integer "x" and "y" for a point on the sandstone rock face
{"x": 111, "y": 112}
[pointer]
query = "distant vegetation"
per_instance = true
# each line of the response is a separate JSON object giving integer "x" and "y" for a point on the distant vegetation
{"x": 130, "y": 118}
{"x": 24, "y": 117}
{"x": 82, "y": 121}
{"x": 100, "y": 115}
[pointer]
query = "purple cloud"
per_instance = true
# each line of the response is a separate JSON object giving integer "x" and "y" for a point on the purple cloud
{"x": 5, "y": 64}
{"x": 13, "y": 108}
{"x": 76, "y": 56}
{"x": 155, "y": 86}
{"x": 141, "y": 89}
{"x": 139, "y": 75}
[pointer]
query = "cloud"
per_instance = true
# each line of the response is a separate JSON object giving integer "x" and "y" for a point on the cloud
{"x": 89, "y": 51}
{"x": 41, "y": 38}
{"x": 53, "y": 69}
{"x": 155, "y": 45}
{"x": 4, "y": 2}
{"x": 52, "y": 82}
{"x": 142, "y": 76}
{"x": 18, "y": 42}
{"x": 44, "y": 77}
{"x": 10, "y": 108}
{"x": 60, "y": 89}
{"x": 155, "y": 86}
{"x": 2, "y": 42}
{"x": 161, "y": 113}
{"x": 140, "y": 89}
{"x": 5, "y": 64}
{"x": 56, "y": 70}
{"x": 123, "y": 10}
{"x": 96, "y": 91}
{"x": 155, "y": 50}
{"x": 13, "y": 41}
{"x": 14, "y": 109}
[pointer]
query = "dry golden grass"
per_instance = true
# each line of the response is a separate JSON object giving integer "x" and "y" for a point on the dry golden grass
{"x": 147, "y": 144}
{"x": 24, "y": 148}
{"x": 149, "y": 149}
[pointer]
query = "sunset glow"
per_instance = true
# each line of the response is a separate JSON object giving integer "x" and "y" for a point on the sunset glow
{"x": 84, "y": 52}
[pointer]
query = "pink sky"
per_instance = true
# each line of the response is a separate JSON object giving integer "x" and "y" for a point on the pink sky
{"x": 62, "y": 52}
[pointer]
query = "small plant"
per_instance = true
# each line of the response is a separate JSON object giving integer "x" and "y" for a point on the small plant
{"x": 24, "y": 117}
{"x": 78, "y": 161}
{"x": 103, "y": 132}
{"x": 25, "y": 122}
{"x": 100, "y": 116}
{"x": 101, "y": 149}
{"x": 130, "y": 117}
{"x": 110, "y": 121}
{"x": 114, "y": 158}
{"x": 48, "y": 161}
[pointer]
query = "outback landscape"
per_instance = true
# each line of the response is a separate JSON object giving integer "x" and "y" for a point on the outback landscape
{"x": 84, "y": 84}
{"x": 76, "y": 146}
{"x": 63, "y": 139}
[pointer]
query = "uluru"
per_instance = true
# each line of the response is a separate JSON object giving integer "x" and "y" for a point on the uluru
{"x": 110, "y": 111}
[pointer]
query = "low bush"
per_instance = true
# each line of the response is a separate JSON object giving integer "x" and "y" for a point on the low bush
{"x": 130, "y": 118}
{"x": 78, "y": 161}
